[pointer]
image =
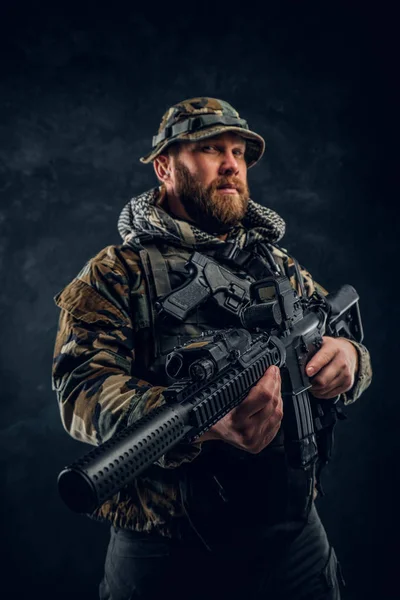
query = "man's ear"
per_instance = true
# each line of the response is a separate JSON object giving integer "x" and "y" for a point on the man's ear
{"x": 162, "y": 167}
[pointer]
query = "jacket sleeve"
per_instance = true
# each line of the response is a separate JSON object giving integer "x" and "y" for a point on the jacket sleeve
{"x": 363, "y": 376}
{"x": 94, "y": 356}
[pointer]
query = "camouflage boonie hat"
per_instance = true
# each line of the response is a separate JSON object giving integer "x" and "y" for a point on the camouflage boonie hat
{"x": 200, "y": 118}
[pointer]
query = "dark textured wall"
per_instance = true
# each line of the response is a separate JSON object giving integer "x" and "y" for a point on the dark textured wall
{"x": 82, "y": 91}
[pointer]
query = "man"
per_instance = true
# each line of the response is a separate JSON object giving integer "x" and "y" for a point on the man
{"x": 226, "y": 516}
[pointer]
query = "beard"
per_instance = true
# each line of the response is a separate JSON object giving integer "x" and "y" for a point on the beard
{"x": 208, "y": 206}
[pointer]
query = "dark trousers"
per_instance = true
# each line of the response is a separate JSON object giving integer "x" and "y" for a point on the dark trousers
{"x": 149, "y": 567}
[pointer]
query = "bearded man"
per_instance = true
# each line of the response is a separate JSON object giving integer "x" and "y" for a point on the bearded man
{"x": 226, "y": 516}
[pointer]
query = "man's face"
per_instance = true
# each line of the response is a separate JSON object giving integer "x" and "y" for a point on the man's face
{"x": 210, "y": 179}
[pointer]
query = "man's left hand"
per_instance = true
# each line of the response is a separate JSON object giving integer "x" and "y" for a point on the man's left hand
{"x": 332, "y": 368}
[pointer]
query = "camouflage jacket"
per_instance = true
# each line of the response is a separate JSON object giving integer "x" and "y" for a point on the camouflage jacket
{"x": 103, "y": 362}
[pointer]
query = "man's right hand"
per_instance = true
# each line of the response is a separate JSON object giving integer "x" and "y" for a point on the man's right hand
{"x": 254, "y": 423}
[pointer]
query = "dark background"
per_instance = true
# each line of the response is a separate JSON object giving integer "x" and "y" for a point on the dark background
{"x": 82, "y": 91}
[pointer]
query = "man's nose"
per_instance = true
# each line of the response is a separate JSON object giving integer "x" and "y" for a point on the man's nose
{"x": 229, "y": 164}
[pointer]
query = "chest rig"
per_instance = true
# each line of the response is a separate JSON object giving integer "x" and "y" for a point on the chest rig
{"x": 178, "y": 313}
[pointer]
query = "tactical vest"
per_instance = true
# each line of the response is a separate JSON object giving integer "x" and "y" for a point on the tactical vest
{"x": 164, "y": 271}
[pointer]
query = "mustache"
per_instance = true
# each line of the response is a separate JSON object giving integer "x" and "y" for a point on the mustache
{"x": 234, "y": 182}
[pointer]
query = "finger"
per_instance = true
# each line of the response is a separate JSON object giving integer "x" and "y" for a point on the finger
{"x": 327, "y": 376}
{"x": 263, "y": 396}
{"x": 260, "y": 394}
{"x": 261, "y": 431}
{"x": 342, "y": 383}
{"x": 320, "y": 359}
{"x": 327, "y": 391}
{"x": 328, "y": 395}
{"x": 269, "y": 434}
{"x": 337, "y": 374}
{"x": 272, "y": 408}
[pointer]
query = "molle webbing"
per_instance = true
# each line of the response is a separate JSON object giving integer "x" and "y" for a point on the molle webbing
{"x": 155, "y": 271}
{"x": 160, "y": 271}
{"x": 157, "y": 279}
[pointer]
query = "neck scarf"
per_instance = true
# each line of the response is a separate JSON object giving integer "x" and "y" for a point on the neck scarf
{"x": 145, "y": 215}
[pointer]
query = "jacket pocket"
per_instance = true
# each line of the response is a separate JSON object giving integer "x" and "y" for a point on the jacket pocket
{"x": 85, "y": 303}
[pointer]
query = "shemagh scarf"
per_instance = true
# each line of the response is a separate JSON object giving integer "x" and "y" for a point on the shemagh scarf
{"x": 143, "y": 215}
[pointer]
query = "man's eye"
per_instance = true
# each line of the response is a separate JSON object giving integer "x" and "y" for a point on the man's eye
{"x": 239, "y": 152}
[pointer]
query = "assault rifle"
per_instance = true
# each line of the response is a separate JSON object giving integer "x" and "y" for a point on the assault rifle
{"x": 212, "y": 374}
